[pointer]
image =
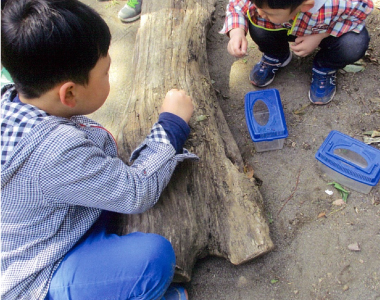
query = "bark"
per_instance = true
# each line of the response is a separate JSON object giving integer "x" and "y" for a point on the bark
{"x": 209, "y": 207}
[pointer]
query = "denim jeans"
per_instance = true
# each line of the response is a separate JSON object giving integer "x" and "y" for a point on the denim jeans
{"x": 110, "y": 267}
{"x": 334, "y": 53}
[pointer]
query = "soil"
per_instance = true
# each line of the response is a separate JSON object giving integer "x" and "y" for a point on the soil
{"x": 312, "y": 258}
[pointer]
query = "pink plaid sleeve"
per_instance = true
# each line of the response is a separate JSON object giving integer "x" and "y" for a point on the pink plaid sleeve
{"x": 236, "y": 16}
{"x": 352, "y": 19}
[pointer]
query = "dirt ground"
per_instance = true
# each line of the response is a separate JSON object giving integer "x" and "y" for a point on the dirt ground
{"x": 311, "y": 259}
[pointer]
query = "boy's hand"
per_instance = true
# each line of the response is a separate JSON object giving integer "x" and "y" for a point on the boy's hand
{"x": 178, "y": 103}
{"x": 237, "y": 46}
{"x": 304, "y": 45}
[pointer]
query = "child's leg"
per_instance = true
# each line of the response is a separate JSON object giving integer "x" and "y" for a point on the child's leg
{"x": 108, "y": 266}
{"x": 336, "y": 53}
{"x": 273, "y": 43}
{"x": 276, "y": 54}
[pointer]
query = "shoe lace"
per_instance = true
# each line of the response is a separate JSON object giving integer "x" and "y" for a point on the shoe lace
{"x": 132, "y": 3}
{"x": 324, "y": 79}
{"x": 265, "y": 64}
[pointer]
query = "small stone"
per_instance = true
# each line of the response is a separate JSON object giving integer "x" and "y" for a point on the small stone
{"x": 242, "y": 282}
{"x": 345, "y": 287}
{"x": 339, "y": 202}
{"x": 354, "y": 247}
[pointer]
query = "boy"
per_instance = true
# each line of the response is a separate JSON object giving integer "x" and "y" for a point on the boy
{"x": 335, "y": 26}
{"x": 60, "y": 170}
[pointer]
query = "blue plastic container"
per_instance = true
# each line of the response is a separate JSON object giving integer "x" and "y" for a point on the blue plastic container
{"x": 349, "y": 162}
{"x": 265, "y": 119}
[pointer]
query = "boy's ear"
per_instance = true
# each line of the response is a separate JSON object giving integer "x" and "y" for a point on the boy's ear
{"x": 67, "y": 94}
{"x": 307, "y": 5}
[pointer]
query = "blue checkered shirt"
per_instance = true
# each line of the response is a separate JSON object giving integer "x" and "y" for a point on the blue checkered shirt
{"x": 57, "y": 176}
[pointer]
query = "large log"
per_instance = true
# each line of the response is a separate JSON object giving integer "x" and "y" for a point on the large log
{"x": 210, "y": 207}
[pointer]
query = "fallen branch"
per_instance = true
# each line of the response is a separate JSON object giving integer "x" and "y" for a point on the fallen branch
{"x": 291, "y": 195}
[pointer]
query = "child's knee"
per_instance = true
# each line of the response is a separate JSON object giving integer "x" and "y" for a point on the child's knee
{"x": 154, "y": 250}
{"x": 160, "y": 250}
{"x": 354, "y": 45}
{"x": 159, "y": 267}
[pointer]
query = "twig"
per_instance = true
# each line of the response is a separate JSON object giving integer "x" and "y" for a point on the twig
{"x": 291, "y": 195}
{"x": 335, "y": 211}
{"x": 300, "y": 111}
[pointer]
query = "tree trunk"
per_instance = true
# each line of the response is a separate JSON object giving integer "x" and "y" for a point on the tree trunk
{"x": 210, "y": 207}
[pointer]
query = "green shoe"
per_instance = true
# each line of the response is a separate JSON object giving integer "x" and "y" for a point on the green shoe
{"x": 131, "y": 11}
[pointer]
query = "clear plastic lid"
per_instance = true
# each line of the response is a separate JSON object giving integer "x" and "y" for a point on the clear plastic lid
{"x": 350, "y": 157}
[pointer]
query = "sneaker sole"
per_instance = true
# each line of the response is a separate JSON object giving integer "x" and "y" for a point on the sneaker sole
{"x": 129, "y": 20}
{"x": 321, "y": 103}
{"x": 264, "y": 85}
{"x": 284, "y": 64}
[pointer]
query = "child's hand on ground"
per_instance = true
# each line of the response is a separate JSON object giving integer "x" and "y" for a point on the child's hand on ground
{"x": 237, "y": 46}
{"x": 304, "y": 45}
{"x": 178, "y": 103}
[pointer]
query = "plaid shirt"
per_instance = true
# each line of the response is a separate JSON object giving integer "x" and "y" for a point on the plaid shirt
{"x": 335, "y": 17}
{"x": 57, "y": 176}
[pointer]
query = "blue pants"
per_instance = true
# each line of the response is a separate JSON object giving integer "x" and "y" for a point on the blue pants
{"x": 334, "y": 53}
{"x": 107, "y": 266}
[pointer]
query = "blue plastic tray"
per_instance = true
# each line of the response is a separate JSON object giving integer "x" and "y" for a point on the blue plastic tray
{"x": 275, "y": 128}
{"x": 335, "y": 152}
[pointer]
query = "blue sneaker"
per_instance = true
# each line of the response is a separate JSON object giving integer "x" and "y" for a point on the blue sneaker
{"x": 323, "y": 85}
{"x": 175, "y": 292}
{"x": 263, "y": 72}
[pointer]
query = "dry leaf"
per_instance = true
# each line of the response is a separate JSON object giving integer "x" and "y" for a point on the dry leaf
{"x": 339, "y": 202}
{"x": 248, "y": 170}
{"x": 375, "y": 100}
{"x": 322, "y": 215}
{"x": 301, "y": 110}
{"x": 354, "y": 247}
{"x": 372, "y": 133}
{"x": 369, "y": 140}
{"x": 201, "y": 118}
{"x": 353, "y": 68}
{"x": 375, "y": 201}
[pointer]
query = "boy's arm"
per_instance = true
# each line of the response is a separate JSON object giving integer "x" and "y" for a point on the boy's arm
{"x": 238, "y": 44}
{"x": 352, "y": 18}
{"x": 176, "y": 130}
{"x": 236, "y": 16}
{"x": 82, "y": 174}
{"x": 305, "y": 45}
{"x": 174, "y": 118}
{"x": 236, "y": 27}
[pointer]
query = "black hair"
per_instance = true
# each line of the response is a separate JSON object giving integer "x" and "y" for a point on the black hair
{"x": 46, "y": 42}
{"x": 278, "y": 4}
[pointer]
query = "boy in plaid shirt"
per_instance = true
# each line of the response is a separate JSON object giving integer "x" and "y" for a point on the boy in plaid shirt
{"x": 337, "y": 27}
{"x": 60, "y": 173}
